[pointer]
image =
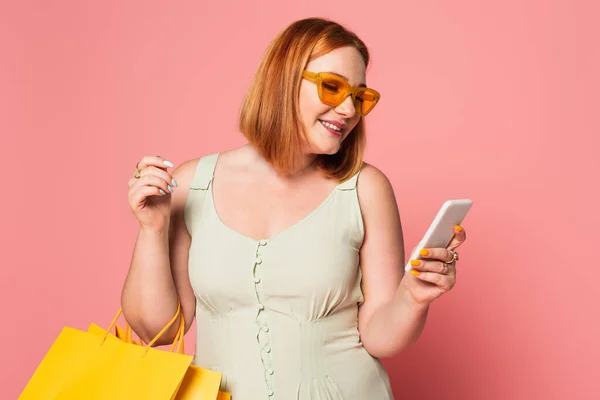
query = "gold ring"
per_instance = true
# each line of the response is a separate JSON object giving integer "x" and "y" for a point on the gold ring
{"x": 137, "y": 174}
{"x": 454, "y": 257}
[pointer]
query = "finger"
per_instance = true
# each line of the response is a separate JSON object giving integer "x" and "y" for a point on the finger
{"x": 144, "y": 192}
{"x": 155, "y": 161}
{"x": 459, "y": 237}
{"x": 443, "y": 282}
{"x": 152, "y": 180}
{"x": 436, "y": 253}
{"x": 160, "y": 173}
{"x": 433, "y": 266}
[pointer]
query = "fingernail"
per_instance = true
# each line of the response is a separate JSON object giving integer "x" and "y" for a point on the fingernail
{"x": 161, "y": 191}
{"x": 174, "y": 182}
{"x": 424, "y": 252}
{"x": 415, "y": 263}
{"x": 458, "y": 228}
{"x": 168, "y": 163}
{"x": 170, "y": 188}
{"x": 415, "y": 272}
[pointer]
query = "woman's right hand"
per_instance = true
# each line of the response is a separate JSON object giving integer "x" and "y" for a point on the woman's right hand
{"x": 150, "y": 194}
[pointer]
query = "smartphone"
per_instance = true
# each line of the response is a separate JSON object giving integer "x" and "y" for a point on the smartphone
{"x": 441, "y": 230}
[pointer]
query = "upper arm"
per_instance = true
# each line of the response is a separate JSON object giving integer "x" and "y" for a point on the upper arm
{"x": 382, "y": 251}
{"x": 180, "y": 240}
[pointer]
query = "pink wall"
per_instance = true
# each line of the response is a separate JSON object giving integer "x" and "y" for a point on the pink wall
{"x": 494, "y": 101}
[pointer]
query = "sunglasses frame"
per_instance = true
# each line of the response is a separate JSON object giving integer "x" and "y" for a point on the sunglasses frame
{"x": 317, "y": 77}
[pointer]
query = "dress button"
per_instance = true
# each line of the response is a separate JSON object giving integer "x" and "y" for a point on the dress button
{"x": 265, "y": 328}
{"x": 267, "y": 349}
{"x": 262, "y": 243}
{"x": 271, "y": 393}
{"x": 261, "y": 306}
{"x": 256, "y": 279}
{"x": 258, "y": 260}
{"x": 270, "y": 371}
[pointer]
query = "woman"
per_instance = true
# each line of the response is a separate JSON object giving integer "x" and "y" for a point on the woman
{"x": 291, "y": 265}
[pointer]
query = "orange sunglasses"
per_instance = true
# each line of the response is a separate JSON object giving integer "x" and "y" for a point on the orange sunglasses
{"x": 334, "y": 89}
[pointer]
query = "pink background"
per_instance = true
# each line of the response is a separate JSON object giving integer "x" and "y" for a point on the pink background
{"x": 493, "y": 101}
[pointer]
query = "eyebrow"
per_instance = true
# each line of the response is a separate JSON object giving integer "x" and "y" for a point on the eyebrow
{"x": 342, "y": 76}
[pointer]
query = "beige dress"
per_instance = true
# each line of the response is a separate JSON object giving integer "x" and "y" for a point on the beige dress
{"x": 279, "y": 317}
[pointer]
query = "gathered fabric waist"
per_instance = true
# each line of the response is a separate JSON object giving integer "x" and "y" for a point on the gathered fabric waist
{"x": 311, "y": 354}
{"x": 278, "y": 335}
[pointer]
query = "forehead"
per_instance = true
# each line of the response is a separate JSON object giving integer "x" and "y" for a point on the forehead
{"x": 345, "y": 61}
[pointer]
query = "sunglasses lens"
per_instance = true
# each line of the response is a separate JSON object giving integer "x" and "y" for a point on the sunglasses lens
{"x": 365, "y": 101}
{"x": 333, "y": 90}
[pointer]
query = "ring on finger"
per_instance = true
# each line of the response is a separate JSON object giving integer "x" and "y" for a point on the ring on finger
{"x": 454, "y": 257}
{"x": 137, "y": 174}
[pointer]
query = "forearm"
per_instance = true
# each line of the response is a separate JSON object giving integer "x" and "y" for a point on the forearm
{"x": 149, "y": 297}
{"x": 394, "y": 326}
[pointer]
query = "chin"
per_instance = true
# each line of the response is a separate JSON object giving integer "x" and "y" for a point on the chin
{"x": 324, "y": 142}
{"x": 326, "y": 149}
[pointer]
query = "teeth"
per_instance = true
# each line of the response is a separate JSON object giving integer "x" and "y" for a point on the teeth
{"x": 327, "y": 124}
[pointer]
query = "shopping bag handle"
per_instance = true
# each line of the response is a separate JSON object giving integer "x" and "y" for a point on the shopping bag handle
{"x": 178, "y": 342}
{"x": 158, "y": 335}
{"x": 177, "y": 345}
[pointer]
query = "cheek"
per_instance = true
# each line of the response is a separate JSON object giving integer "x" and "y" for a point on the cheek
{"x": 352, "y": 123}
{"x": 310, "y": 105}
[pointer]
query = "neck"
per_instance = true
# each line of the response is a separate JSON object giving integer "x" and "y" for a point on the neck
{"x": 304, "y": 167}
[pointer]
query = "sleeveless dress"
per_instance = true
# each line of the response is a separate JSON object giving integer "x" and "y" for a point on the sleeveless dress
{"x": 279, "y": 317}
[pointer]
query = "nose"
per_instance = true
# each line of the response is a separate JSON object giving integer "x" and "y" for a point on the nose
{"x": 347, "y": 108}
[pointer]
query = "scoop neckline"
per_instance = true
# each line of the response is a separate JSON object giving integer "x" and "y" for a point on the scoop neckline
{"x": 278, "y": 234}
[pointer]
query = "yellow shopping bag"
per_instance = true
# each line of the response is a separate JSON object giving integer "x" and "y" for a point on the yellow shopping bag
{"x": 198, "y": 383}
{"x": 83, "y": 365}
{"x": 223, "y": 396}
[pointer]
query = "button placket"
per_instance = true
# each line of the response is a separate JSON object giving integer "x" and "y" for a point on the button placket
{"x": 262, "y": 335}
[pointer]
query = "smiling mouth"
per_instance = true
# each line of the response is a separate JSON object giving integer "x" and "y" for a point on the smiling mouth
{"x": 333, "y": 129}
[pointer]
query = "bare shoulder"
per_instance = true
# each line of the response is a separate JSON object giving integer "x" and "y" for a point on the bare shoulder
{"x": 379, "y": 208}
{"x": 184, "y": 172}
{"x": 374, "y": 188}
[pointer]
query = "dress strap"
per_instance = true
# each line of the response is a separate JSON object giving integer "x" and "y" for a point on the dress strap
{"x": 204, "y": 172}
{"x": 349, "y": 184}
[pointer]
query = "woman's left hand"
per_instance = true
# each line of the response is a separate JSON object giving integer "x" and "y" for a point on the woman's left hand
{"x": 432, "y": 277}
